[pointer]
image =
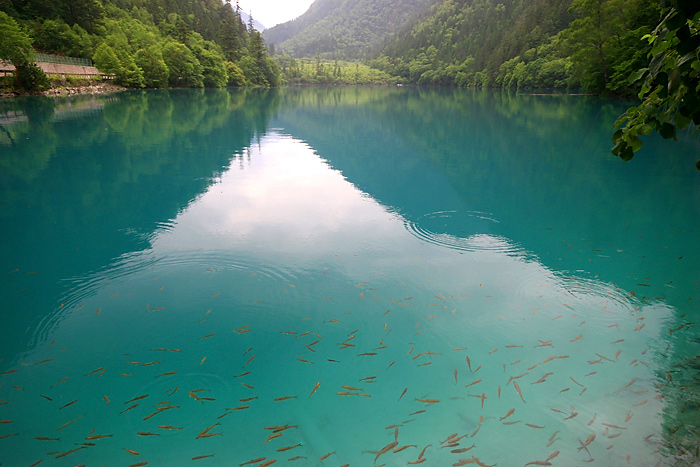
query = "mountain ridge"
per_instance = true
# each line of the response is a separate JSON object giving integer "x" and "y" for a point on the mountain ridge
{"x": 343, "y": 29}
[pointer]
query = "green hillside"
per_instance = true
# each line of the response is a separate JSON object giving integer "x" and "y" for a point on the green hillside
{"x": 144, "y": 43}
{"x": 343, "y": 29}
{"x": 595, "y": 44}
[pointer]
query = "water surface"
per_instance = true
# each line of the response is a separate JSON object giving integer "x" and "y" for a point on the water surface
{"x": 186, "y": 270}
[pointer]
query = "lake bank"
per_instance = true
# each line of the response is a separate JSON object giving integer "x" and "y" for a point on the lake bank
{"x": 63, "y": 88}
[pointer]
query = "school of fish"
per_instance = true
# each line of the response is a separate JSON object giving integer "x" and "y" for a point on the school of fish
{"x": 409, "y": 396}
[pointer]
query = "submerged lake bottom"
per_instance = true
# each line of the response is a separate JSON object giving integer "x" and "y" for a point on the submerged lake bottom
{"x": 301, "y": 277}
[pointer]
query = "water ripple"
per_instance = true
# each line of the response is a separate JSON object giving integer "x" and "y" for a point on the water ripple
{"x": 461, "y": 230}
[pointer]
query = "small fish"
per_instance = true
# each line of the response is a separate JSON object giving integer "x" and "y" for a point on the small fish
{"x": 64, "y": 454}
{"x": 167, "y": 374}
{"x": 576, "y": 338}
{"x": 94, "y": 371}
{"x": 128, "y": 408}
{"x": 60, "y": 382}
{"x": 196, "y": 458}
{"x": 136, "y": 399}
{"x": 152, "y": 363}
{"x": 403, "y": 393}
{"x": 131, "y": 451}
{"x": 510, "y": 412}
{"x": 68, "y": 423}
{"x": 147, "y": 433}
{"x": 428, "y": 401}
{"x": 287, "y": 448}
{"x": 386, "y": 449}
{"x": 614, "y": 426}
{"x": 45, "y": 438}
{"x": 314, "y": 389}
{"x": 473, "y": 383}
{"x": 401, "y": 448}
{"x": 254, "y": 461}
{"x": 169, "y": 427}
{"x": 68, "y": 404}
{"x": 284, "y": 398}
{"x": 481, "y": 396}
{"x": 481, "y": 464}
{"x": 326, "y": 456}
{"x": 517, "y": 388}
{"x": 93, "y": 437}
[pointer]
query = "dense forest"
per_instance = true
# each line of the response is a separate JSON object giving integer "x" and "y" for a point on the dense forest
{"x": 592, "y": 44}
{"x": 154, "y": 43}
{"x": 343, "y": 29}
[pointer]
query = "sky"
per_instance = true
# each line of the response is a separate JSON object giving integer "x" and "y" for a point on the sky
{"x": 273, "y": 12}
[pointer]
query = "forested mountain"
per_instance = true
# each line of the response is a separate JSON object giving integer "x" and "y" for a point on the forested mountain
{"x": 595, "y": 44}
{"x": 147, "y": 43}
{"x": 343, "y": 28}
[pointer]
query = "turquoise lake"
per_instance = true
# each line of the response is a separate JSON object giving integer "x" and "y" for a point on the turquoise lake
{"x": 351, "y": 276}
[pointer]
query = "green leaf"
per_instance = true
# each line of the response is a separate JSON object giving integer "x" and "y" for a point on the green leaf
{"x": 681, "y": 121}
{"x": 627, "y": 154}
{"x": 674, "y": 81}
{"x": 675, "y": 21}
{"x": 637, "y": 75}
{"x": 667, "y": 131}
{"x": 635, "y": 143}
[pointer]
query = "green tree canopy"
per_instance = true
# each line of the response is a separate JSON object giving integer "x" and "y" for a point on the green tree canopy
{"x": 16, "y": 47}
{"x": 155, "y": 71}
{"x": 106, "y": 60}
{"x": 185, "y": 69}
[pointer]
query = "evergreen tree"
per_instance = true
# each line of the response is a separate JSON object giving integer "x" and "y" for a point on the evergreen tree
{"x": 229, "y": 33}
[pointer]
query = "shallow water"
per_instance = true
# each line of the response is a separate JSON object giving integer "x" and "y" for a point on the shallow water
{"x": 365, "y": 265}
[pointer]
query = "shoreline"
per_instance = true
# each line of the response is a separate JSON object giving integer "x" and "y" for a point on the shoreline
{"x": 63, "y": 90}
